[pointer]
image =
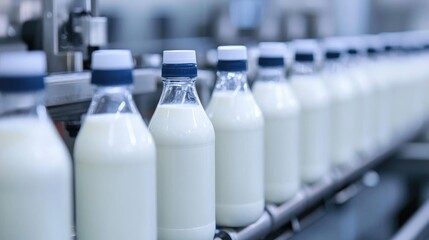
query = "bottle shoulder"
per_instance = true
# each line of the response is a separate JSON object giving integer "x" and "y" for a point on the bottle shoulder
{"x": 339, "y": 85}
{"x": 234, "y": 109}
{"x": 275, "y": 98}
{"x": 113, "y": 134}
{"x": 181, "y": 124}
{"x": 28, "y": 144}
{"x": 310, "y": 90}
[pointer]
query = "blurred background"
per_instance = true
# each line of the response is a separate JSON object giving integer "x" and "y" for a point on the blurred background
{"x": 150, "y": 26}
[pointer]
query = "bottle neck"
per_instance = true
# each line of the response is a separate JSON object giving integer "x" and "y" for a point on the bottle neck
{"x": 112, "y": 99}
{"x": 179, "y": 91}
{"x": 333, "y": 64}
{"x": 271, "y": 74}
{"x": 23, "y": 104}
{"x": 303, "y": 68}
{"x": 231, "y": 81}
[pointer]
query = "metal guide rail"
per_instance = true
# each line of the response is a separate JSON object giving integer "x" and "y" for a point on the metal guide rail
{"x": 310, "y": 203}
{"x": 68, "y": 95}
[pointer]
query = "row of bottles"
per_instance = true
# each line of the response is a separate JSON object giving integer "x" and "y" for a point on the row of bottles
{"x": 192, "y": 169}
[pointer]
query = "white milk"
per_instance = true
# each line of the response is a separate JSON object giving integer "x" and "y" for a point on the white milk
{"x": 35, "y": 182}
{"x": 115, "y": 178}
{"x": 376, "y": 73}
{"x": 365, "y": 138}
{"x": 314, "y": 140}
{"x": 185, "y": 141}
{"x": 281, "y": 117}
{"x": 238, "y": 123}
{"x": 343, "y": 110}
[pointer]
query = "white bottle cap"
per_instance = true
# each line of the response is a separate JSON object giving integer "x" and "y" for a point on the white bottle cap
{"x": 333, "y": 44}
{"x": 305, "y": 46}
{"x": 112, "y": 60}
{"x": 272, "y": 49}
{"x": 23, "y": 63}
{"x": 179, "y": 57}
{"x": 231, "y": 53}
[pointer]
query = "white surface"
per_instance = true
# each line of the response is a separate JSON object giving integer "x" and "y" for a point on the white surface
{"x": 35, "y": 181}
{"x": 115, "y": 178}
{"x": 112, "y": 60}
{"x": 230, "y": 53}
{"x": 185, "y": 143}
{"x": 238, "y": 124}
{"x": 272, "y": 49}
{"x": 281, "y": 138}
{"x": 22, "y": 63}
{"x": 314, "y": 128}
{"x": 179, "y": 56}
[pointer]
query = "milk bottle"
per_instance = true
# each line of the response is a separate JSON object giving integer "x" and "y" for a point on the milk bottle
{"x": 239, "y": 128}
{"x": 35, "y": 166}
{"x": 376, "y": 72}
{"x": 185, "y": 142}
{"x": 364, "y": 138}
{"x": 343, "y": 104}
{"x": 281, "y": 115}
{"x": 315, "y": 106}
{"x": 114, "y": 158}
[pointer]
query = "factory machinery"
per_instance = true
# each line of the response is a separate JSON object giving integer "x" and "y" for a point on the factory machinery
{"x": 68, "y": 94}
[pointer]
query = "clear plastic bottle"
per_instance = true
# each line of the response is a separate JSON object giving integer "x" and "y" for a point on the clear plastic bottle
{"x": 314, "y": 99}
{"x": 114, "y": 158}
{"x": 280, "y": 108}
{"x": 185, "y": 143}
{"x": 35, "y": 166}
{"x": 343, "y": 104}
{"x": 239, "y": 128}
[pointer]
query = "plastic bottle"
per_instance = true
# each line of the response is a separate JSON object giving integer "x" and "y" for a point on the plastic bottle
{"x": 239, "y": 128}
{"x": 35, "y": 166}
{"x": 185, "y": 143}
{"x": 114, "y": 158}
{"x": 343, "y": 104}
{"x": 280, "y": 108}
{"x": 314, "y": 99}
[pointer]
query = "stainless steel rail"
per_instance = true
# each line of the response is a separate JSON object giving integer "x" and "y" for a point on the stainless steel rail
{"x": 417, "y": 227}
{"x": 68, "y": 95}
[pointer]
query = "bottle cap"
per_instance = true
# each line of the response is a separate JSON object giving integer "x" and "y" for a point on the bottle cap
{"x": 374, "y": 44}
{"x": 271, "y": 54}
{"x": 232, "y": 58}
{"x": 179, "y": 56}
{"x": 232, "y": 53}
{"x": 272, "y": 49}
{"x": 333, "y": 48}
{"x": 179, "y": 63}
{"x": 22, "y": 71}
{"x": 305, "y": 50}
{"x": 112, "y": 60}
{"x": 112, "y": 67}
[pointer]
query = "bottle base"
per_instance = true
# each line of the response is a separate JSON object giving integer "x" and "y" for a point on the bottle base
{"x": 280, "y": 194}
{"x": 238, "y": 215}
{"x": 205, "y": 232}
